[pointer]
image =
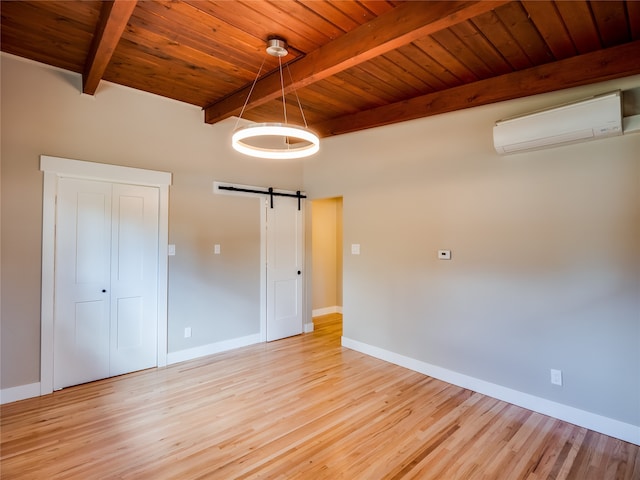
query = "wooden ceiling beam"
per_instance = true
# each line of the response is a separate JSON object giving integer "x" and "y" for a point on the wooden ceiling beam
{"x": 598, "y": 66}
{"x": 114, "y": 17}
{"x": 400, "y": 26}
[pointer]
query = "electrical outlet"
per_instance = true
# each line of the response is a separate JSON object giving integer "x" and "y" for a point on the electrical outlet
{"x": 556, "y": 377}
{"x": 187, "y": 332}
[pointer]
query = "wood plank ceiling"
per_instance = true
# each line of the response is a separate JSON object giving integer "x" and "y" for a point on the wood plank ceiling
{"x": 353, "y": 64}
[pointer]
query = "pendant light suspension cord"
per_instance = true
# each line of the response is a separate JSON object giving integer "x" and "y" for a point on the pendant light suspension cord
{"x": 284, "y": 102}
{"x": 249, "y": 96}
{"x": 304, "y": 119}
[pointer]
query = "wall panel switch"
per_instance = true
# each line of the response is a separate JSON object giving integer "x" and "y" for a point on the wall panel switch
{"x": 216, "y": 249}
{"x": 187, "y": 332}
{"x": 556, "y": 377}
{"x": 355, "y": 249}
{"x": 171, "y": 250}
{"x": 444, "y": 254}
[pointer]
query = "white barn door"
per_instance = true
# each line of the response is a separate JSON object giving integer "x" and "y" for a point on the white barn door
{"x": 106, "y": 264}
{"x": 284, "y": 268}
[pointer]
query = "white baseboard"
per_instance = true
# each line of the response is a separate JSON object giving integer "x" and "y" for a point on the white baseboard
{"x": 21, "y": 392}
{"x": 326, "y": 311}
{"x": 211, "y": 348}
{"x": 308, "y": 327}
{"x": 608, "y": 426}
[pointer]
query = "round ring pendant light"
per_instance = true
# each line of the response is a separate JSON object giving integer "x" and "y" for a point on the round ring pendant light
{"x": 279, "y": 139}
{"x": 275, "y": 140}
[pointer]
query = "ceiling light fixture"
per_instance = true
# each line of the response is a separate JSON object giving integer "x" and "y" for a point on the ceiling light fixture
{"x": 275, "y": 140}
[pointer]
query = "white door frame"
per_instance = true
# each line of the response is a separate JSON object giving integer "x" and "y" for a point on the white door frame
{"x": 54, "y": 168}
{"x": 263, "y": 268}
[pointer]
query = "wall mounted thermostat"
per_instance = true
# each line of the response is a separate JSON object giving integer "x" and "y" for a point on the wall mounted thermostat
{"x": 444, "y": 254}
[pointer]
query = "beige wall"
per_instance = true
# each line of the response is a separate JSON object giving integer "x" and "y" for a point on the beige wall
{"x": 546, "y": 245}
{"x": 545, "y": 268}
{"x": 43, "y": 112}
{"x": 327, "y": 253}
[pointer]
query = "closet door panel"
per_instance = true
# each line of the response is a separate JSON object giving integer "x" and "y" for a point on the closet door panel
{"x": 82, "y": 277}
{"x": 134, "y": 278}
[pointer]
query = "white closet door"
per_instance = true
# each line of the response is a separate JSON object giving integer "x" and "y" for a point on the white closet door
{"x": 82, "y": 277}
{"x": 284, "y": 269}
{"x": 134, "y": 278}
{"x": 105, "y": 319}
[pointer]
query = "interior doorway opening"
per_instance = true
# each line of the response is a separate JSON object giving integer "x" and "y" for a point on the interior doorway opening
{"x": 327, "y": 257}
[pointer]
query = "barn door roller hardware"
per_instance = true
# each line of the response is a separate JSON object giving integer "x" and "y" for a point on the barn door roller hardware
{"x": 269, "y": 192}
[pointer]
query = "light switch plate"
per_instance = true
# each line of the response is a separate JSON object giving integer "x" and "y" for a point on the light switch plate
{"x": 171, "y": 249}
{"x": 556, "y": 377}
{"x": 444, "y": 254}
{"x": 216, "y": 249}
{"x": 355, "y": 249}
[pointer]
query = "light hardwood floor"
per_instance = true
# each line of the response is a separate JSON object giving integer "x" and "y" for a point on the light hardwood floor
{"x": 299, "y": 408}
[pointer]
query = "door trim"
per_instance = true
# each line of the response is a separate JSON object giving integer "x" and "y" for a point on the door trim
{"x": 263, "y": 268}
{"x": 56, "y": 167}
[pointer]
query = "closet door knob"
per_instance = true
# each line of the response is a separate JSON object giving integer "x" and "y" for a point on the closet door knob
{"x": 104, "y": 291}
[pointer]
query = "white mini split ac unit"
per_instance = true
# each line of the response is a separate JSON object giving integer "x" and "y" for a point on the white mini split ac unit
{"x": 595, "y": 117}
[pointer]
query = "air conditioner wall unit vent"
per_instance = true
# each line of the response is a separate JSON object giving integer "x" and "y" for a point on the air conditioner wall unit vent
{"x": 595, "y": 117}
